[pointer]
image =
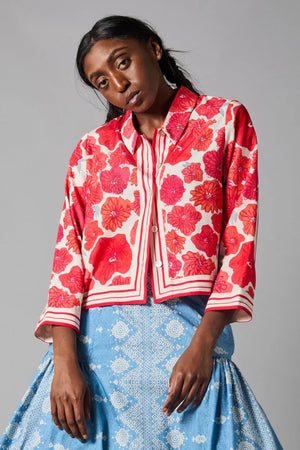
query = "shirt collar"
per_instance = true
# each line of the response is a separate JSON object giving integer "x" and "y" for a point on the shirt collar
{"x": 174, "y": 124}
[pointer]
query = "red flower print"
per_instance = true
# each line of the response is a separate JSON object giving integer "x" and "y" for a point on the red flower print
{"x": 244, "y": 136}
{"x": 220, "y": 139}
{"x": 192, "y": 173}
{"x": 243, "y": 266}
{"x": 109, "y": 256}
{"x": 89, "y": 213}
{"x": 210, "y": 108}
{"x": 184, "y": 218}
{"x": 133, "y": 232}
{"x": 73, "y": 280}
{"x": 121, "y": 156}
{"x": 136, "y": 204}
{"x": 250, "y": 291}
{"x": 213, "y": 161}
{"x": 73, "y": 242}
{"x": 196, "y": 264}
{"x": 58, "y": 298}
{"x": 98, "y": 162}
{"x": 183, "y": 101}
{"x": 217, "y": 222}
{"x": 89, "y": 283}
{"x": 221, "y": 283}
{"x": 92, "y": 232}
{"x": 61, "y": 259}
{"x": 198, "y": 135}
{"x": 115, "y": 211}
{"x": 128, "y": 127}
{"x": 206, "y": 241}
{"x": 77, "y": 212}
{"x": 76, "y": 155}
{"x": 60, "y": 233}
{"x": 240, "y": 167}
{"x": 174, "y": 265}
{"x": 92, "y": 190}
{"x": 232, "y": 239}
{"x": 133, "y": 177}
{"x": 115, "y": 180}
{"x": 248, "y": 216}
{"x": 67, "y": 221}
{"x": 179, "y": 153}
{"x": 172, "y": 189}
{"x": 229, "y": 113}
{"x": 108, "y": 134}
{"x": 230, "y": 200}
{"x": 251, "y": 187}
{"x": 175, "y": 243}
{"x": 177, "y": 124}
{"x": 120, "y": 280}
{"x": 208, "y": 195}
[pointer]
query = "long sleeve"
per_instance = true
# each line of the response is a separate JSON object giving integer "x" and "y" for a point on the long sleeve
{"x": 67, "y": 278}
{"x": 236, "y": 278}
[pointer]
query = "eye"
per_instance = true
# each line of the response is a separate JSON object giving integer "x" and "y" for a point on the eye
{"x": 124, "y": 64}
{"x": 102, "y": 83}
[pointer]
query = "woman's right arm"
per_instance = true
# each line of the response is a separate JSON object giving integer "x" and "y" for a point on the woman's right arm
{"x": 70, "y": 396}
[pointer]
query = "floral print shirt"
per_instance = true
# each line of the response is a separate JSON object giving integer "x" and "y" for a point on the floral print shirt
{"x": 183, "y": 207}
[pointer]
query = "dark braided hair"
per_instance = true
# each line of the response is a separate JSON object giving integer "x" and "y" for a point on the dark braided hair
{"x": 128, "y": 27}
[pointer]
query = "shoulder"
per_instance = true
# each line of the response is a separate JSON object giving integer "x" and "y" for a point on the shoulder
{"x": 102, "y": 136}
{"x": 216, "y": 103}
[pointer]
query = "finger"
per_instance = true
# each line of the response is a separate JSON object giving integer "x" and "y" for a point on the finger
{"x": 79, "y": 418}
{"x": 188, "y": 382}
{"x": 54, "y": 413}
{"x": 194, "y": 389}
{"x": 200, "y": 395}
{"x": 173, "y": 392}
{"x": 62, "y": 418}
{"x": 87, "y": 404}
{"x": 72, "y": 421}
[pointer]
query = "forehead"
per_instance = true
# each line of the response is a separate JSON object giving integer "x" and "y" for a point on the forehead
{"x": 99, "y": 54}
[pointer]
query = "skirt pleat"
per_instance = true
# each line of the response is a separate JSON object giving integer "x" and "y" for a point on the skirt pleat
{"x": 127, "y": 353}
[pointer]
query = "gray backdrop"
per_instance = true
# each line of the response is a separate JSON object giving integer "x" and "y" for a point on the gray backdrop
{"x": 245, "y": 50}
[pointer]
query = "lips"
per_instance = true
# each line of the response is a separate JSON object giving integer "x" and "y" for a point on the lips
{"x": 132, "y": 97}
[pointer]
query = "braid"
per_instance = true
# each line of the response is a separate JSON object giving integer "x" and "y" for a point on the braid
{"x": 173, "y": 72}
{"x": 113, "y": 112}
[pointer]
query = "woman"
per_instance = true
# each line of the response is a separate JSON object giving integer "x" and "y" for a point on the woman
{"x": 155, "y": 257}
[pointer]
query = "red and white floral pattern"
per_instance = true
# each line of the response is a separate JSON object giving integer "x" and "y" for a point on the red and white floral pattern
{"x": 185, "y": 206}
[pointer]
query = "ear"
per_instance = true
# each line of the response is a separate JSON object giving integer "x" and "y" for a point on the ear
{"x": 155, "y": 48}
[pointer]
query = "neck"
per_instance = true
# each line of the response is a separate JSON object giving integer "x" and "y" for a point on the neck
{"x": 146, "y": 123}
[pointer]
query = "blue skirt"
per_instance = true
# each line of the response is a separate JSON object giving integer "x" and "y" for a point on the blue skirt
{"x": 127, "y": 353}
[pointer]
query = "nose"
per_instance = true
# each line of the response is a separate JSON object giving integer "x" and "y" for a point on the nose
{"x": 121, "y": 82}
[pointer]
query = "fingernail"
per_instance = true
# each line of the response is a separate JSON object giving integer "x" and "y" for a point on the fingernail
{"x": 85, "y": 436}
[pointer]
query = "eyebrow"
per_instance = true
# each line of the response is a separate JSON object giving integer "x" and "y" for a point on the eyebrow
{"x": 109, "y": 60}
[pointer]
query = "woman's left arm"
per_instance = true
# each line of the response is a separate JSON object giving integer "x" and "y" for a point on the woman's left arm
{"x": 231, "y": 299}
{"x": 192, "y": 371}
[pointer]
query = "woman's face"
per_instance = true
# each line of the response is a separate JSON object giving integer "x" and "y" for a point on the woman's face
{"x": 126, "y": 72}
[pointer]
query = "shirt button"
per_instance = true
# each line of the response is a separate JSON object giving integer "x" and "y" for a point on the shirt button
{"x": 158, "y": 263}
{"x": 154, "y": 228}
{"x": 159, "y": 165}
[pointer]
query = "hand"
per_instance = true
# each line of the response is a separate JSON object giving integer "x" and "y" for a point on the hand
{"x": 70, "y": 400}
{"x": 189, "y": 379}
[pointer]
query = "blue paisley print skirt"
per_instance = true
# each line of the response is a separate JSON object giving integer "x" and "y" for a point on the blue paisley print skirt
{"x": 127, "y": 353}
